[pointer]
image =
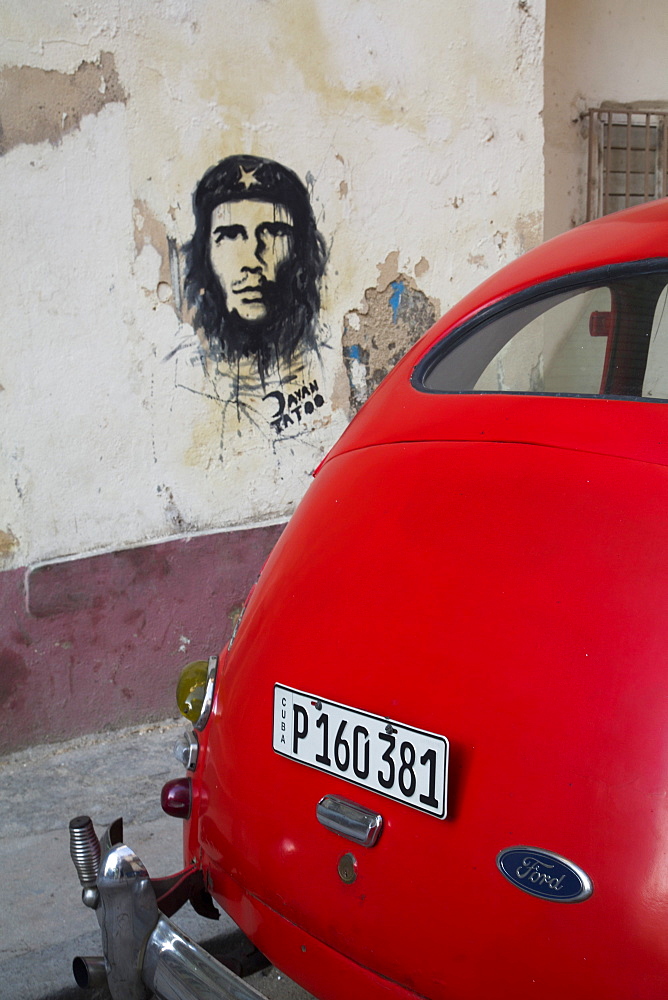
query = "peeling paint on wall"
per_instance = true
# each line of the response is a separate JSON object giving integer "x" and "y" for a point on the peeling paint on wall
{"x": 395, "y": 315}
{"x": 165, "y": 286}
{"x": 529, "y": 230}
{"x": 38, "y": 105}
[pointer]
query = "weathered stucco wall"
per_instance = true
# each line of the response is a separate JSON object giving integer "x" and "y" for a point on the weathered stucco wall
{"x": 417, "y": 133}
{"x": 603, "y": 50}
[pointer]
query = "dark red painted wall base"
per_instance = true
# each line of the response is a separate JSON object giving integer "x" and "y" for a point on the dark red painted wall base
{"x": 99, "y": 642}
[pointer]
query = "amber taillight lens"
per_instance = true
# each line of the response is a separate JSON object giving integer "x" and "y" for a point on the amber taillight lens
{"x": 194, "y": 690}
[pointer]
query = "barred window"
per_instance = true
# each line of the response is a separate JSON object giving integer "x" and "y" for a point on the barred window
{"x": 627, "y": 158}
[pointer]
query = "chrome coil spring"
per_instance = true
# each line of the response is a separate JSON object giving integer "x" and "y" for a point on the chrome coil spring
{"x": 85, "y": 849}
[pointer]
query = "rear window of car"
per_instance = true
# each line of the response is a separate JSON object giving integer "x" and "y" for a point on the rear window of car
{"x": 604, "y": 333}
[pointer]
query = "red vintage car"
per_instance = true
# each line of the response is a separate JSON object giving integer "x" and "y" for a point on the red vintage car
{"x": 433, "y": 760}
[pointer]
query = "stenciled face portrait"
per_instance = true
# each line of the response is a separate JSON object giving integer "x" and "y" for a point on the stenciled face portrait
{"x": 254, "y": 265}
{"x": 249, "y": 243}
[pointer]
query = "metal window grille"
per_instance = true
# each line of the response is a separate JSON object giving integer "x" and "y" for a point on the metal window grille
{"x": 627, "y": 159}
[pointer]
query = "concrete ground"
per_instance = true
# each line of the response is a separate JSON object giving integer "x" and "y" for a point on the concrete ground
{"x": 43, "y": 923}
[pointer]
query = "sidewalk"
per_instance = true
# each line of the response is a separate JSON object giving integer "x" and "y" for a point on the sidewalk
{"x": 43, "y": 923}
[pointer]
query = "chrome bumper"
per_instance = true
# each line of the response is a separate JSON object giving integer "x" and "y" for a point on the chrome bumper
{"x": 145, "y": 955}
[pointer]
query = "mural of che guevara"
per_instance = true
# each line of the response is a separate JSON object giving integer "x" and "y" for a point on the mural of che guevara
{"x": 254, "y": 266}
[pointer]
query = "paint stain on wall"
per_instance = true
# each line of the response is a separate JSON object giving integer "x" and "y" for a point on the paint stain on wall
{"x": 300, "y": 33}
{"x": 13, "y": 679}
{"x": 38, "y": 105}
{"x": 8, "y": 543}
{"x": 394, "y": 316}
{"x": 173, "y": 514}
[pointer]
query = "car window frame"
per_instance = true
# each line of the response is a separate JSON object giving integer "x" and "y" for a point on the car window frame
{"x": 534, "y": 294}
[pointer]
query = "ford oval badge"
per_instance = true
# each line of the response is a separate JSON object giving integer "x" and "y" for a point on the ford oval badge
{"x": 544, "y": 874}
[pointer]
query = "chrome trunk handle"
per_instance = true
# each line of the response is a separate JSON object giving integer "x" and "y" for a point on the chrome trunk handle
{"x": 349, "y": 820}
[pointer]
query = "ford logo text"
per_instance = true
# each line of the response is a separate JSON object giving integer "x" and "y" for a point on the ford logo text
{"x": 544, "y": 874}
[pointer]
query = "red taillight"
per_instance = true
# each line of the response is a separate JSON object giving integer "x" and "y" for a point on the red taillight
{"x": 176, "y": 798}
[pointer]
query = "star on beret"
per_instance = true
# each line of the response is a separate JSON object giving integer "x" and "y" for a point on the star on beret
{"x": 247, "y": 177}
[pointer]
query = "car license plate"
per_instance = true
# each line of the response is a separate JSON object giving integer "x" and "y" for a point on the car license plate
{"x": 398, "y": 761}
